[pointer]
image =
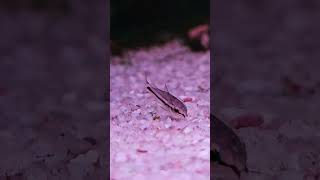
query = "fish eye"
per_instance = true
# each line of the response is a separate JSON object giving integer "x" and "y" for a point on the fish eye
{"x": 176, "y": 110}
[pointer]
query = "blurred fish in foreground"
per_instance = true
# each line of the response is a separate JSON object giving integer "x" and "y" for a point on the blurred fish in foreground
{"x": 227, "y": 148}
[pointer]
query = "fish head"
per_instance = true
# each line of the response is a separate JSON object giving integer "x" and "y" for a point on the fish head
{"x": 181, "y": 109}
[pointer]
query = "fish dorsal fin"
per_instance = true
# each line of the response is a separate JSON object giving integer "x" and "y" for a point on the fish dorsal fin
{"x": 165, "y": 85}
{"x": 169, "y": 94}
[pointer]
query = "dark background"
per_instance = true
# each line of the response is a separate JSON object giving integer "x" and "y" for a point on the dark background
{"x": 248, "y": 33}
{"x": 142, "y": 23}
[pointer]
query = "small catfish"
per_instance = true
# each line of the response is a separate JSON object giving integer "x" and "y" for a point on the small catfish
{"x": 168, "y": 101}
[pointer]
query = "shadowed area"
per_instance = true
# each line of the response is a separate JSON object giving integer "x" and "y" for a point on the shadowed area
{"x": 267, "y": 83}
{"x": 141, "y": 23}
{"x": 52, "y": 86}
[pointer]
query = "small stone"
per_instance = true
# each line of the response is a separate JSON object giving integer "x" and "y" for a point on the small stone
{"x": 140, "y": 95}
{"x": 187, "y": 130}
{"x": 203, "y": 103}
{"x": 204, "y": 154}
{"x": 156, "y": 117}
{"x": 167, "y": 125}
{"x": 187, "y": 99}
{"x": 121, "y": 157}
{"x": 141, "y": 151}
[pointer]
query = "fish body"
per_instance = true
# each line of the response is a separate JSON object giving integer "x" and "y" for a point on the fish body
{"x": 169, "y": 101}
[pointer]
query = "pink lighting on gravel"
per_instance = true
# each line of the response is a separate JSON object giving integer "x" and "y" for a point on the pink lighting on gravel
{"x": 146, "y": 142}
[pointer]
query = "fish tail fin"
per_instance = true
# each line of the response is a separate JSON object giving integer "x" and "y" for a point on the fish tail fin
{"x": 166, "y": 87}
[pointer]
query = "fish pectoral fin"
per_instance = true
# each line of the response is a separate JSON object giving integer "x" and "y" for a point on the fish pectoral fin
{"x": 163, "y": 107}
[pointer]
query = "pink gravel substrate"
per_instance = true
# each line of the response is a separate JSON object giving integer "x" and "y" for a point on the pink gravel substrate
{"x": 144, "y": 146}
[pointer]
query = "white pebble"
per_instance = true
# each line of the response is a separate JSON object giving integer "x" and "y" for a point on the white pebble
{"x": 167, "y": 125}
{"x": 140, "y": 95}
{"x": 205, "y": 154}
{"x": 187, "y": 130}
{"x": 203, "y": 103}
{"x": 121, "y": 157}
